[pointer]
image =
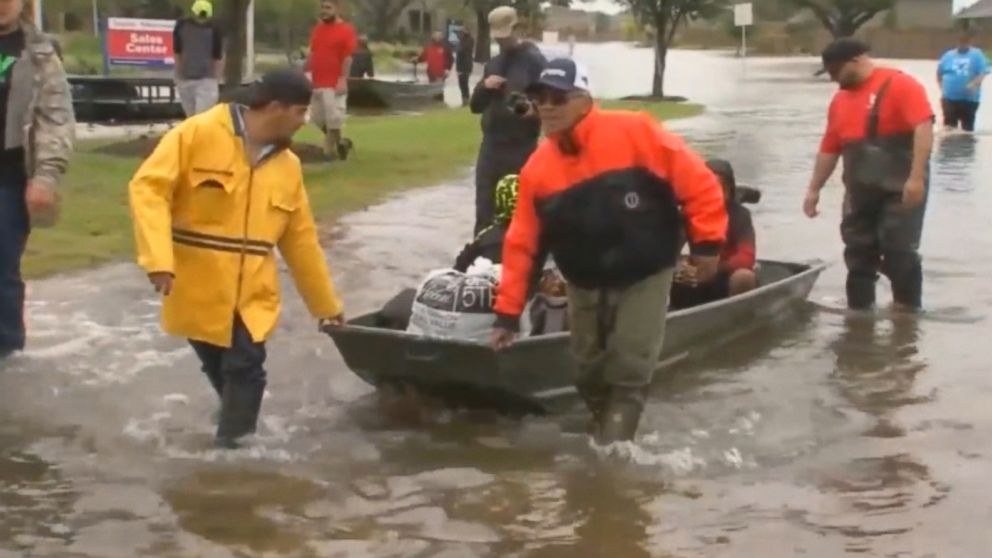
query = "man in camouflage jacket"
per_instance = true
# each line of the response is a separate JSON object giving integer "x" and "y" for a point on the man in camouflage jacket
{"x": 38, "y": 129}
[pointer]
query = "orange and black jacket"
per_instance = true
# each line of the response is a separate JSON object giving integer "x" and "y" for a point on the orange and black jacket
{"x": 609, "y": 213}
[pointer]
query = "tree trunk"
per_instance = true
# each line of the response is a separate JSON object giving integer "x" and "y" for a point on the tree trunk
{"x": 658, "y": 84}
{"x": 661, "y": 39}
{"x": 235, "y": 50}
{"x": 843, "y": 27}
{"x": 482, "y": 47}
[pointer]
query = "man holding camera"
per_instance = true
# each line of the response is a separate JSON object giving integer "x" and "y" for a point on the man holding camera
{"x": 510, "y": 127}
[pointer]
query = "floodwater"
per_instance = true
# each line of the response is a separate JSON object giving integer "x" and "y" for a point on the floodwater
{"x": 827, "y": 436}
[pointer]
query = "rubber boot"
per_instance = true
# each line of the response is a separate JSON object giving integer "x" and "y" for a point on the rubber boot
{"x": 239, "y": 410}
{"x": 621, "y": 416}
{"x": 595, "y": 400}
{"x": 860, "y": 291}
{"x": 907, "y": 286}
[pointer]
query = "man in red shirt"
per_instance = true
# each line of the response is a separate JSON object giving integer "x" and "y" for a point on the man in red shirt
{"x": 438, "y": 57}
{"x": 332, "y": 44}
{"x": 881, "y": 123}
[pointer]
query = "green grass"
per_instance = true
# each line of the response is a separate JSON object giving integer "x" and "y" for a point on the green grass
{"x": 393, "y": 153}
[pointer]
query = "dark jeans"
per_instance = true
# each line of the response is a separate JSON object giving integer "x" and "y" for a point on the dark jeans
{"x": 686, "y": 296}
{"x": 496, "y": 160}
{"x": 880, "y": 235}
{"x": 463, "y": 87}
{"x": 960, "y": 112}
{"x": 14, "y": 229}
{"x": 237, "y": 375}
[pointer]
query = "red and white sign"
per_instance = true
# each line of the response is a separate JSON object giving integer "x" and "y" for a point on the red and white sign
{"x": 140, "y": 42}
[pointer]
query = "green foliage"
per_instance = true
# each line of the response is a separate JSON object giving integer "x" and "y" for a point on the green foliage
{"x": 844, "y": 17}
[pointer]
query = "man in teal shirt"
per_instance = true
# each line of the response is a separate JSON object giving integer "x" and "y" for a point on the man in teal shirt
{"x": 960, "y": 74}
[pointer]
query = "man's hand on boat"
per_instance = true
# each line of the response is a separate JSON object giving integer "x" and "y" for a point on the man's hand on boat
{"x": 696, "y": 270}
{"x": 501, "y": 337}
{"x": 325, "y": 325}
{"x": 162, "y": 281}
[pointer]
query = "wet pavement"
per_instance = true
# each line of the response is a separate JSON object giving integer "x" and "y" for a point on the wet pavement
{"x": 826, "y": 436}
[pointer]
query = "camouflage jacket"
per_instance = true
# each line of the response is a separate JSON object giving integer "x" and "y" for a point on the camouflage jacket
{"x": 39, "y": 110}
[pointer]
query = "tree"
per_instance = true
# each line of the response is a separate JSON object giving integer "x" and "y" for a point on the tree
{"x": 234, "y": 55}
{"x": 844, "y": 17}
{"x": 665, "y": 17}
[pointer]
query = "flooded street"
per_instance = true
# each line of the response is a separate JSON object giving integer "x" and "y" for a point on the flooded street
{"x": 826, "y": 437}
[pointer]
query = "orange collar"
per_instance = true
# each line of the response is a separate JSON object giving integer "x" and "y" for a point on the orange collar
{"x": 583, "y": 130}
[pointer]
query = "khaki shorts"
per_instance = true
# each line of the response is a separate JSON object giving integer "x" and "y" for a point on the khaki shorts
{"x": 327, "y": 109}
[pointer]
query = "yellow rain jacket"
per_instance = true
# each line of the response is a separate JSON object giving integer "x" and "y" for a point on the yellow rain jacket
{"x": 204, "y": 214}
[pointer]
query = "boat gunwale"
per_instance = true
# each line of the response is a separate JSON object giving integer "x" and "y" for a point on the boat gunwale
{"x": 813, "y": 267}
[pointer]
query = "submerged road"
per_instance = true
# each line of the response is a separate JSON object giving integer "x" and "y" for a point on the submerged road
{"x": 825, "y": 437}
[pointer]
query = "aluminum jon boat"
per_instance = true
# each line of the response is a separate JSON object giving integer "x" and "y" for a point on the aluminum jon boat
{"x": 535, "y": 372}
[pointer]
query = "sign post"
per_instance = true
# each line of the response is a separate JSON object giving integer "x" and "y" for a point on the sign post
{"x": 743, "y": 16}
{"x": 250, "y": 42}
{"x": 139, "y": 42}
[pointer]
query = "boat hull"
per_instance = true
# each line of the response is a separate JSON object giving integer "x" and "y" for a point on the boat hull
{"x": 535, "y": 371}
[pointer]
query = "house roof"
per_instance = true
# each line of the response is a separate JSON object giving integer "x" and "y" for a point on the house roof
{"x": 978, "y": 10}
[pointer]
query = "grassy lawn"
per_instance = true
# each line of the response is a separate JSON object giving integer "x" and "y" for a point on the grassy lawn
{"x": 392, "y": 153}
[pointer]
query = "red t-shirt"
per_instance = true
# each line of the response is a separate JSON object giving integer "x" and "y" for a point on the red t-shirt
{"x": 904, "y": 107}
{"x": 330, "y": 45}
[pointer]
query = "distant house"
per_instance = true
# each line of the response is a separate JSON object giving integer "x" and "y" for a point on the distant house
{"x": 583, "y": 24}
{"x": 981, "y": 10}
{"x": 422, "y": 17}
{"x": 904, "y": 15}
{"x": 923, "y": 14}
{"x": 568, "y": 21}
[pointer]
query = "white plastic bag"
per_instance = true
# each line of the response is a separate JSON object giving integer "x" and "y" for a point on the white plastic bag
{"x": 454, "y": 305}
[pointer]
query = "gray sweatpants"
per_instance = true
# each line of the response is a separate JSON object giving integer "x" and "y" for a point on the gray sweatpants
{"x": 197, "y": 95}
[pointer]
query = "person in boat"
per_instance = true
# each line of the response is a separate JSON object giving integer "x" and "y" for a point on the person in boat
{"x": 489, "y": 243}
{"x": 438, "y": 57}
{"x": 735, "y": 274}
{"x": 602, "y": 193}
{"x": 216, "y": 270}
{"x": 362, "y": 63}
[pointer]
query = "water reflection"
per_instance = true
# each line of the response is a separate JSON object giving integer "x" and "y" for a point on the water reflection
{"x": 606, "y": 514}
{"x": 877, "y": 362}
{"x": 954, "y": 156}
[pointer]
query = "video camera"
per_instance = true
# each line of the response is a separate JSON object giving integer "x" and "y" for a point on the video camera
{"x": 519, "y": 103}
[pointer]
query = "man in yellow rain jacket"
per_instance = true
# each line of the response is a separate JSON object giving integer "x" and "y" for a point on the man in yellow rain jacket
{"x": 216, "y": 197}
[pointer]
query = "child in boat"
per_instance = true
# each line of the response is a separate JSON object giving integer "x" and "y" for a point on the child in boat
{"x": 737, "y": 259}
{"x": 489, "y": 242}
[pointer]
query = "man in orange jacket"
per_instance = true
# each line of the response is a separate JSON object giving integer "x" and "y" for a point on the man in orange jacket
{"x": 602, "y": 194}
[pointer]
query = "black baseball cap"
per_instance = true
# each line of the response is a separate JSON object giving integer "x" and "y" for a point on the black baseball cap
{"x": 562, "y": 74}
{"x": 283, "y": 85}
{"x": 840, "y": 51}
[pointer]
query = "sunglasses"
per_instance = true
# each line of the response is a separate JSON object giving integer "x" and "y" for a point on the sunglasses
{"x": 552, "y": 97}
